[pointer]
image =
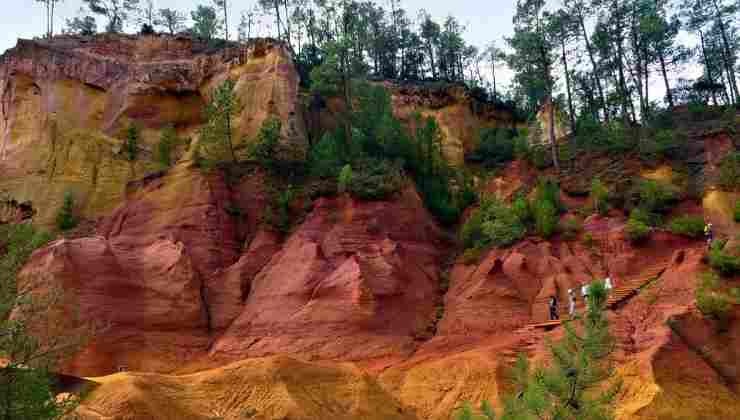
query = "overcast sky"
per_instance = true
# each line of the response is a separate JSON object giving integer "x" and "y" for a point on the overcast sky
{"x": 485, "y": 20}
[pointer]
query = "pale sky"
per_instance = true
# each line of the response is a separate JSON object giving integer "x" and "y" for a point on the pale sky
{"x": 485, "y": 20}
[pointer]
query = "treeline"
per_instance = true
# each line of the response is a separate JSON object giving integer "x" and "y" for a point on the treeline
{"x": 598, "y": 59}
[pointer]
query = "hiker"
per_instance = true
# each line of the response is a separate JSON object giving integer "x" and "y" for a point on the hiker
{"x": 584, "y": 294}
{"x": 709, "y": 234}
{"x": 571, "y": 303}
{"x": 608, "y": 284}
{"x": 553, "y": 308}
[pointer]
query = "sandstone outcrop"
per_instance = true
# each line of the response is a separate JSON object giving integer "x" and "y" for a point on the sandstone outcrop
{"x": 65, "y": 103}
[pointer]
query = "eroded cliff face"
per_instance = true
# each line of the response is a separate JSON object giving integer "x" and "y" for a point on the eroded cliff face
{"x": 356, "y": 313}
{"x": 64, "y": 106}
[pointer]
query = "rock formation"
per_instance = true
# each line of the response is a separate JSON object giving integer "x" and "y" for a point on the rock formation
{"x": 65, "y": 104}
{"x": 358, "y": 311}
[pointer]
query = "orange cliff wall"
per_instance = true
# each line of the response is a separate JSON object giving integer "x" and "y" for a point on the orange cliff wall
{"x": 64, "y": 105}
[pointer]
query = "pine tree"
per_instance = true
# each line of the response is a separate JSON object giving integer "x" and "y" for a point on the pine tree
{"x": 216, "y": 136}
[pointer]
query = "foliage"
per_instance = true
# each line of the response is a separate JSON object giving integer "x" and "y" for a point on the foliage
{"x": 637, "y": 230}
{"x": 167, "y": 140}
{"x": 580, "y": 381}
{"x": 466, "y": 412}
{"x": 613, "y": 137}
{"x": 522, "y": 209}
{"x": 570, "y": 229}
{"x": 171, "y": 20}
{"x": 545, "y": 217}
{"x": 496, "y": 146}
{"x": 737, "y": 211}
{"x": 264, "y": 149}
{"x": 66, "y": 218}
{"x": 691, "y": 226}
{"x": 116, "y": 11}
{"x": 81, "y": 25}
{"x": 711, "y": 301}
{"x": 325, "y": 157}
{"x": 278, "y": 214}
{"x": 655, "y": 196}
{"x": 216, "y": 135}
{"x": 206, "y": 24}
{"x": 131, "y": 143}
{"x": 725, "y": 262}
{"x": 375, "y": 179}
{"x": 729, "y": 172}
{"x": 492, "y": 224}
{"x": 25, "y": 381}
{"x": 345, "y": 178}
{"x": 599, "y": 197}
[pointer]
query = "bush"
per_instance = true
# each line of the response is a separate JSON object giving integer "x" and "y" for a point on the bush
{"x": 656, "y": 197}
{"x": 264, "y": 149}
{"x": 496, "y": 147}
{"x": 65, "y": 217}
{"x": 663, "y": 144}
{"x": 345, "y": 178}
{"x": 710, "y": 301}
{"x": 167, "y": 140}
{"x": 545, "y": 218}
{"x": 492, "y": 224}
{"x": 325, "y": 157}
{"x": 737, "y": 211}
{"x": 375, "y": 179}
{"x": 637, "y": 230}
{"x": 722, "y": 261}
{"x": 691, "y": 226}
{"x": 131, "y": 144}
{"x": 729, "y": 172}
{"x": 522, "y": 210}
{"x": 570, "y": 229}
{"x": 599, "y": 197}
{"x": 278, "y": 214}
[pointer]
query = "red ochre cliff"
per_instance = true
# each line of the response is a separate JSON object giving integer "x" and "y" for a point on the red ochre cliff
{"x": 356, "y": 313}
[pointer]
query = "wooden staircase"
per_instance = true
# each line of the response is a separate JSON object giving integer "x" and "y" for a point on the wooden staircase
{"x": 626, "y": 289}
{"x": 630, "y": 286}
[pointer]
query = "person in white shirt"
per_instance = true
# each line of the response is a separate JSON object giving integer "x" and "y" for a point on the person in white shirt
{"x": 608, "y": 284}
{"x": 571, "y": 303}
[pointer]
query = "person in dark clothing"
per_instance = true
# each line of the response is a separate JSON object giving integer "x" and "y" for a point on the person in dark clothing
{"x": 553, "y": 308}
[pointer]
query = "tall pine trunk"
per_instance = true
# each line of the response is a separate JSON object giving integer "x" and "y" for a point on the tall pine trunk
{"x": 571, "y": 109}
{"x": 594, "y": 67}
{"x": 668, "y": 94}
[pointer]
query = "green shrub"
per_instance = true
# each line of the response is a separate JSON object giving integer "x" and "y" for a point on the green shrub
{"x": 325, "y": 157}
{"x": 570, "y": 228}
{"x": 691, "y": 226}
{"x": 545, "y": 218}
{"x": 167, "y": 141}
{"x": 663, "y": 144}
{"x": 522, "y": 209}
{"x": 131, "y": 144}
{"x": 729, "y": 171}
{"x": 264, "y": 149}
{"x": 66, "y": 218}
{"x": 722, "y": 261}
{"x": 375, "y": 179}
{"x": 599, "y": 197}
{"x": 737, "y": 211}
{"x": 492, "y": 224}
{"x": 656, "y": 197}
{"x": 710, "y": 301}
{"x": 345, "y": 178}
{"x": 279, "y": 213}
{"x": 521, "y": 144}
{"x": 698, "y": 111}
{"x": 496, "y": 146}
{"x": 637, "y": 230}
